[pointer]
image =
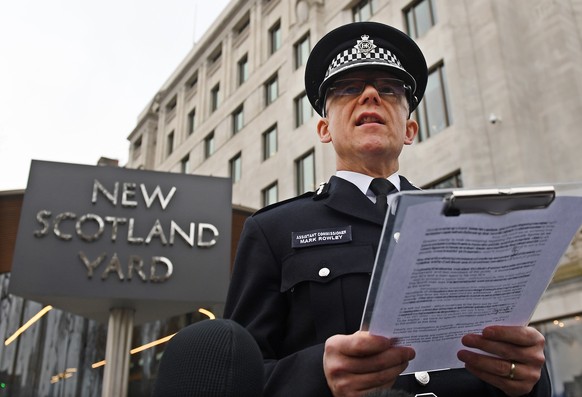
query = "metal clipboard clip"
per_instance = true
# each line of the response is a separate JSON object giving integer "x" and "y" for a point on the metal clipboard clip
{"x": 497, "y": 201}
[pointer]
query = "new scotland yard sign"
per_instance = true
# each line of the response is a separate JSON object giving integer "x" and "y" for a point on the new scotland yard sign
{"x": 95, "y": 238}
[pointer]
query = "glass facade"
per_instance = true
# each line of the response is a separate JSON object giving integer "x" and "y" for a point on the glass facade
{"x": 270, "y": 142}
{"x": 55, "y": 356}
{"x": 275, "y": 38}
{"x": 433, "y": 113}
{"x": 564, "y": 354}
{"x": 305, "y": 173}
{"x": 420, "y": 17}
{"x": 243, "y": 70}
{"x": 270, "y": 194}
{"x": 302, "y": 49}
{"x": 303, "y": 110}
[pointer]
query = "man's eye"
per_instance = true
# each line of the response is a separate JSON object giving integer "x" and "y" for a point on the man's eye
{"x": 388, "y": 89}
{"x": 349, "y": 88}
{"x": 352, "y": 89}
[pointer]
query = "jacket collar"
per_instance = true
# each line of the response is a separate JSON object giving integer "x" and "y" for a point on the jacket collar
{"x": 345, "y": 197}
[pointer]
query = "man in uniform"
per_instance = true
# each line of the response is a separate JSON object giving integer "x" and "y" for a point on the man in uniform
{"x": 303, "y": 266}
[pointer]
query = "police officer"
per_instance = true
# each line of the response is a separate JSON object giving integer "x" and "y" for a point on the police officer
{"x": 303, "y": 266}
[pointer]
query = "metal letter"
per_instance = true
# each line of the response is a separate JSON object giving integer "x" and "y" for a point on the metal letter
{"x": 96, "y": 235}
{"x": 45, "y": 224}
{"x": 188, "y": 238}
{"x": 114, "y": 265}
{"x": 157, "y": 193}
{"x": 130, "y": 238}
{"x": 135, "y": 262}
{"x": 98, "y": 186}
{"x": 114, "y": 222}
{"x": 157, "y": 231}
{"x": 169, "y": 269}
{"x": 60, "y": 217}
{"x": 212, "y": 229}
{"x": 91, "y": 265}
{"x": 128, "y": 191}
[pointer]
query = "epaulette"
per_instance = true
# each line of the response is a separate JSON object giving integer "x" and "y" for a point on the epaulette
{"x": 277, "y": 204}
{"x": 322, "y": 191}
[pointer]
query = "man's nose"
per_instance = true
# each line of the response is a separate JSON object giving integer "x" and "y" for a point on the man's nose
{"x": 370, "y": 93}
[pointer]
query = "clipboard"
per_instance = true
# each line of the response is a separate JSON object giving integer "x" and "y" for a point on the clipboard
{"x": 516, "y": 219}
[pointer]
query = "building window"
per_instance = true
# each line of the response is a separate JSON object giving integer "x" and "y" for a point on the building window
{"x": 433, "y": 113}
{"x": 243, "y": 25}
{"x": 214, "y": 58}
{"x": 270, "y": 194}
{"x": 271, "y": 90}
{"x": 171, "y": 108}
{"x": 236, "y": 168}
{"x": 270, "y": 142}
{"x": 303, "y": 110}
{"x": 243, "y": 69}
{"x": 364, "y": 10}
{"x": 209, "y": 145}
{"x": 136, "y": 147}
{"x": 192, "y": 82}
{"x": 452, "y": 181}
{"x": 191, "y": 121}
{"x": 301, "y": 50}
{"x": 275, "y": 39}
{"x": 237, "y": 120}
{"x": 215, "y": 98}
{"x": 185, "y": 164}
{"x": 420, "y": 17}
{"x": 170, "y": 143}
{"x": 305, "y": 172}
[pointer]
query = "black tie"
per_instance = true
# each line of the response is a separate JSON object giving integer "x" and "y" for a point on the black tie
{"x": 381, "y": 188}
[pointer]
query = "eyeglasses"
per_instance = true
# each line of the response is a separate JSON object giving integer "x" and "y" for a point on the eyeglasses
{"x": 384, "y": 86}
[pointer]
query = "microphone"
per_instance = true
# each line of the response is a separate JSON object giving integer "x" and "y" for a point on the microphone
{"x": 388, "y": 393}
{"x": 211, "y": 358}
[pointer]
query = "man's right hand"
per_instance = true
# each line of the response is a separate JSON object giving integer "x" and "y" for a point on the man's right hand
{"x": 359, "y": 363}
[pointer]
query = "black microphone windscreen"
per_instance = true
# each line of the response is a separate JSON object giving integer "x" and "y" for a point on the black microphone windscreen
{"x": 211, "y": 358}
{"x": 389, "y": 393}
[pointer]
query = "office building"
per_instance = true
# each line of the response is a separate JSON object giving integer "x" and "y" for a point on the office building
{"x": 500, "y": 109}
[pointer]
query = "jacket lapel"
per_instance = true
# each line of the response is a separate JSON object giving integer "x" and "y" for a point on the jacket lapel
{"x": 345, "y": 197}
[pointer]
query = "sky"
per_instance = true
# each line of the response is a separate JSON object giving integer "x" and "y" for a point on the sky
{"x": 75, "y": 75}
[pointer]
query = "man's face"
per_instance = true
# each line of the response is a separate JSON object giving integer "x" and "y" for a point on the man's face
{"x": 367, "y": 128}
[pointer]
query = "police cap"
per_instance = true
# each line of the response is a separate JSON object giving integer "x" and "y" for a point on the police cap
{"x": 364, "y": 45}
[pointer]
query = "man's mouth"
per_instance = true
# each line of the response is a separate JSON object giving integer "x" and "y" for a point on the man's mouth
{"x": 369, "y": 119}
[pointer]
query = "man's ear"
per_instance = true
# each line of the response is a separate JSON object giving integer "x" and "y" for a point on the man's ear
{"x": 323, "y": 130}
{"x": 411, "y": 131}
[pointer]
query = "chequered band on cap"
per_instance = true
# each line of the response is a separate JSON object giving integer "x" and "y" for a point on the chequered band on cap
{"x": 355, "y": 56}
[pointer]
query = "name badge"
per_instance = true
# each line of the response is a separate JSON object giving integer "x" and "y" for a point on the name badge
{"x": 334, "y": 235}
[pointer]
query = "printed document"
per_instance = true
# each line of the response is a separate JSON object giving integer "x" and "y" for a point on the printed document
{"x": 453, "y": 275}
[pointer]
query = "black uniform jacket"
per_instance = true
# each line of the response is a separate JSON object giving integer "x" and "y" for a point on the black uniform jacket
{"x": 292, "y": 290}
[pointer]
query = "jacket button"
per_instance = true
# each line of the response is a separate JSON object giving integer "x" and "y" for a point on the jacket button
{"x": 324, "y": 272}
{"x": 422, "y": 377}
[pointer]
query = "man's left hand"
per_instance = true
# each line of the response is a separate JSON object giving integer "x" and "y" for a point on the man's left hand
{"x": 518, "y": 357}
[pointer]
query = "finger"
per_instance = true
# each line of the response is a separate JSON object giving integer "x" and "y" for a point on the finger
{"x": 515, "y": 380}
{"x": 511, "y": 387}
{"x": 348, "y": 383}
{"x": 532, "y": 354}
{"x": 517, "y": 335}
{"x": 392, "y": 357}
{"x": 501, "y": 372}
{"x": 359, "y": 344}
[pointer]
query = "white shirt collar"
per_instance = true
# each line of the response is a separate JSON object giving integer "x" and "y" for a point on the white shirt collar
{"x": 363, "y": 181}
